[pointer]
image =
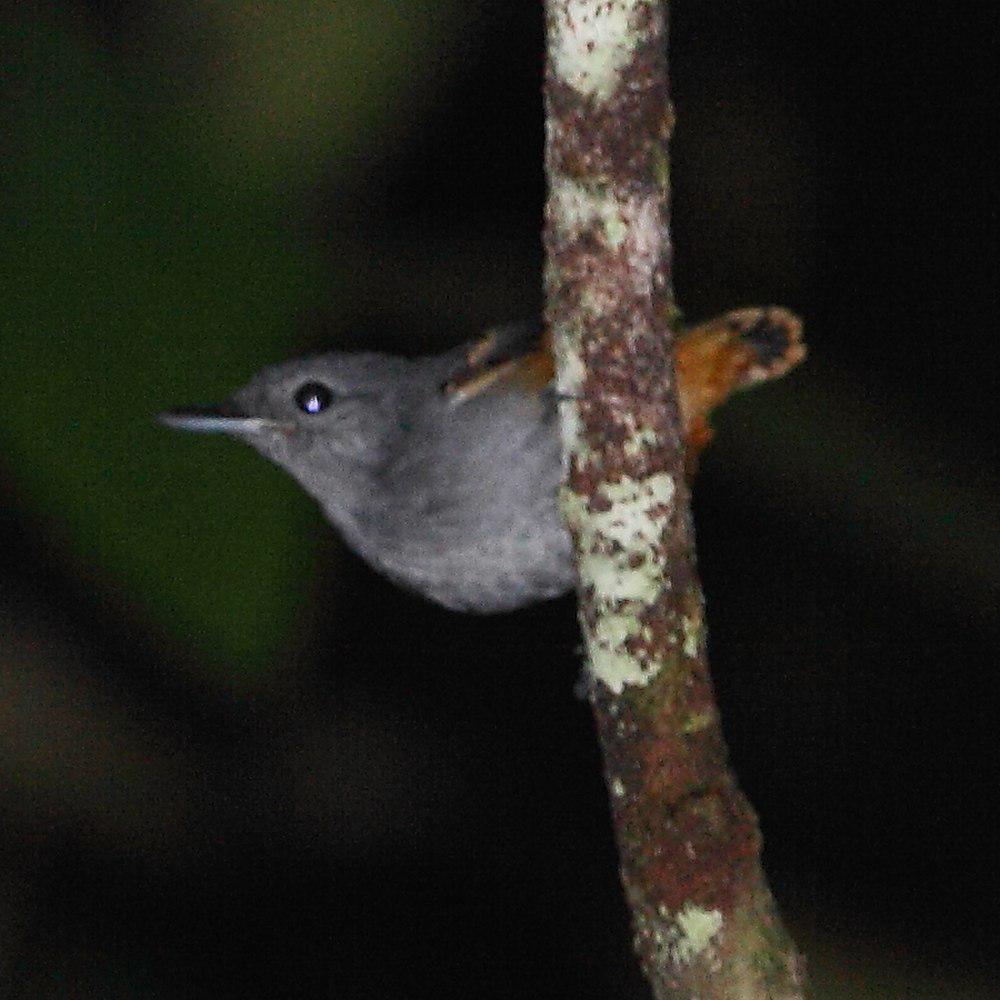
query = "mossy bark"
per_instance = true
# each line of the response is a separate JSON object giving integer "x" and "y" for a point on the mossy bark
{"x": 704, "y": 920}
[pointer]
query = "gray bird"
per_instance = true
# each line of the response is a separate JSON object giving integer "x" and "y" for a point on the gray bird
{"x": 443, "y": 472}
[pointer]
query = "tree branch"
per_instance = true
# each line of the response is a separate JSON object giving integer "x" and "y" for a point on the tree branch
{"x": 704, "y": 920}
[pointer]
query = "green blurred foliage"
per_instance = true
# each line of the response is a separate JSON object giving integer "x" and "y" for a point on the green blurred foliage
{"x": 157, "y": 250}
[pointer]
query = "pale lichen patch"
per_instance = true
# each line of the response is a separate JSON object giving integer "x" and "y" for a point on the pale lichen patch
{"x": 692, "y": 635}
{"x": 698, "y": 722}
{"x": 636, "y": 512}
{"x": 590, "y": 43}
{"x": 696, "y": 928}
{"x": 621, "y": 588}
{"x": 632, "y": 523}
{"x": 614, "y": 580}
{"x": 640, "y": 441}
{"x": 609, "y": 659}
{"x": 571, "y": 428}
{"x": 612, "y": 630}
{"x": 571, "y": 371}
{"x": 616, "y": 667}
{"x": 685, "y": 935}
{"x": 570, "y": 367}
{"x": 577, "y": 207}
{"x": 645, "y": 240}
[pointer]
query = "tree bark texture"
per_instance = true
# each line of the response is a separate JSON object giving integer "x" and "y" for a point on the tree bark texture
{"x": 704, "y": 920}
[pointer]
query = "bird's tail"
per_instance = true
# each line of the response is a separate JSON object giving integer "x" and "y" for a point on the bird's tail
{"x": 724, "y": 355}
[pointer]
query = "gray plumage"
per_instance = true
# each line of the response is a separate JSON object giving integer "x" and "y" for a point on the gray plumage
{"x": 443, "y": 472}
{"x": 449, "y": 495}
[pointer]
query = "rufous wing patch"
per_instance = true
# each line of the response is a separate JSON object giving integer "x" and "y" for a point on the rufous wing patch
{"x": 519, "y": 353}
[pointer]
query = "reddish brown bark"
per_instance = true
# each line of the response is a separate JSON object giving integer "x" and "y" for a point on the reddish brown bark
{"x": 704, "y": 920}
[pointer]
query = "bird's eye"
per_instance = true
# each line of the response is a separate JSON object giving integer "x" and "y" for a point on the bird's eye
{"x": 313, "y": 397}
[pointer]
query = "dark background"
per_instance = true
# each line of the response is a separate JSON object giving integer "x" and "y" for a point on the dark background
{"x": 234, "y": 763}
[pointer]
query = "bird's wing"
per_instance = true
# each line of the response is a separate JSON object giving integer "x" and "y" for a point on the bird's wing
{"x": 516, "y": 353}
{"x": 713, "y": 360}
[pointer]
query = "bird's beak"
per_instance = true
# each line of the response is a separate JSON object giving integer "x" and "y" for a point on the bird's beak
{"x": 214, "y": 420}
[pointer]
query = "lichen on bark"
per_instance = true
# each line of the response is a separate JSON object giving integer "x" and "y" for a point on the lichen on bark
{"x": 704, "y": 921}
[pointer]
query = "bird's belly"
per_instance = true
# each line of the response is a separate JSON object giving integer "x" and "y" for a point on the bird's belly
{"x": 500, "y": 568}
{"x": 477, "y": 527}
{"x": 510, "y": 571}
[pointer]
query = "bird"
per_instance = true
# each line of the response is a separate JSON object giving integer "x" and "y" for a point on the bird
{"x": 443, "y": 472}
